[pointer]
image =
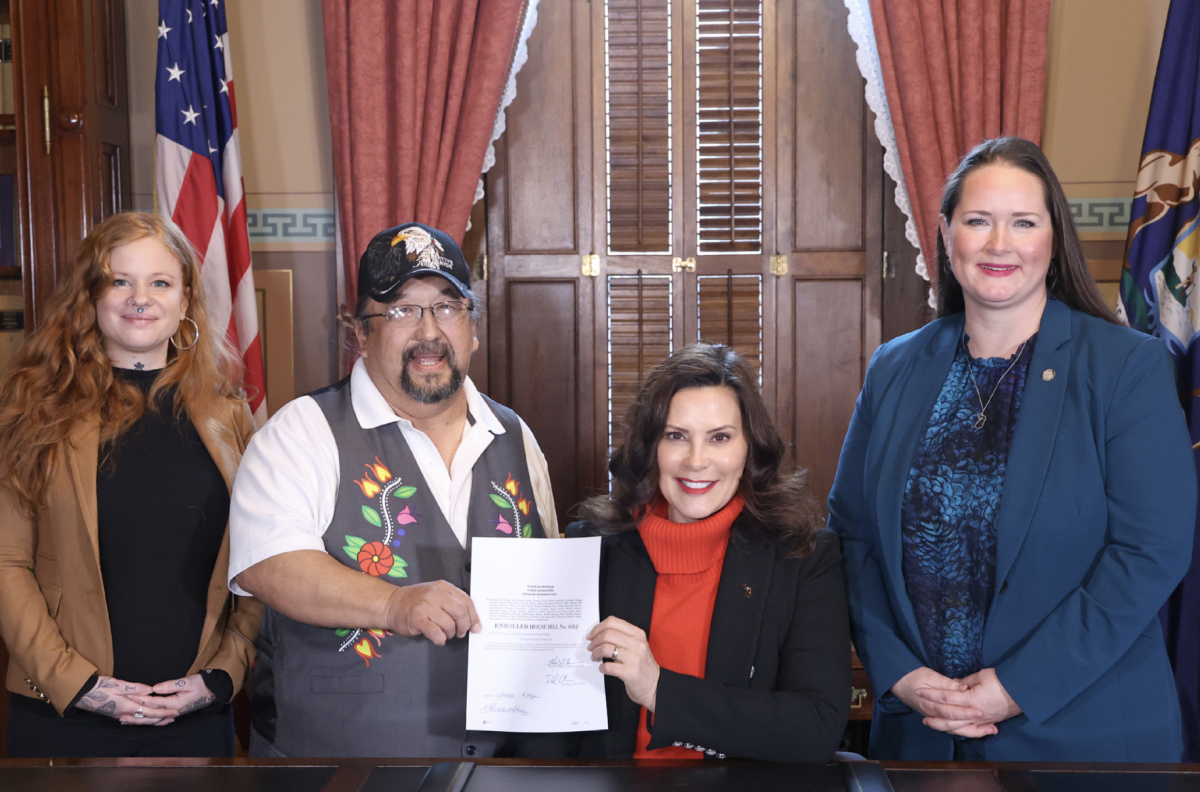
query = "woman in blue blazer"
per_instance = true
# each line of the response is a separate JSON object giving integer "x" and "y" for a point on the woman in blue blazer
{"x": 1016, "y": 498}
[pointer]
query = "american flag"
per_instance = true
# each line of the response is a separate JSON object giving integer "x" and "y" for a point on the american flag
{"x": 199, "y": 169}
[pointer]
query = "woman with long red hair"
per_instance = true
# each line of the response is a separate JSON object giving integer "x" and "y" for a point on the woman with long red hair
{"x": 122, "y": 422}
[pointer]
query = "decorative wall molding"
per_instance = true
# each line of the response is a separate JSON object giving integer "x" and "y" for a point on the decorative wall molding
{"x": 290, "y": 225}
{"x": 1101, "y": 215}
{"x": 1091, "y": 215}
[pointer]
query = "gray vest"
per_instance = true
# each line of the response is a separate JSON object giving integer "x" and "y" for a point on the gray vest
{"x": 357, "y": 692}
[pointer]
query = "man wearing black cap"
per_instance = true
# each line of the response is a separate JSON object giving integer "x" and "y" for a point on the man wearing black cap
{"x": 351, "y": 517}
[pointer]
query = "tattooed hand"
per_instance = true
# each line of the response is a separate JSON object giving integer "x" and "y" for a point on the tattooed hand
{"x": 119, "y": 699}
{"x": 185, "y": 695}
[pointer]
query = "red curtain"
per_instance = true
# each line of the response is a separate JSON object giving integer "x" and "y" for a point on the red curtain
{"x": 957, "y": 72}
{"x": 414, "y": 87}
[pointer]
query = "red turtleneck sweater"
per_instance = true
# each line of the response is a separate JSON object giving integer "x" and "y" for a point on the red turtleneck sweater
{"x": 688, "y": 558}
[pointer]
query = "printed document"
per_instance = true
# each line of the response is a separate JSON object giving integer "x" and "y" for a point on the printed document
{"x": 529, "y": 669}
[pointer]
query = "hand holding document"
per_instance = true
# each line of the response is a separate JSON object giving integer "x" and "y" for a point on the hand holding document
{"x": 529, "y": 669}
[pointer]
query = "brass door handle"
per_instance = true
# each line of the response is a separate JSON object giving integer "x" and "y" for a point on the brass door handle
{"x": 46, "y": 116}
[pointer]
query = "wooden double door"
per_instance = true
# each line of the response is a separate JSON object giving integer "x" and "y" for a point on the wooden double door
{"x": 674, "y": 171}
{"x": 71, "y": 133}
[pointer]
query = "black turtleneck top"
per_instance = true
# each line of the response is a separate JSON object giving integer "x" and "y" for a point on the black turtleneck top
{"x": 162, "y": 508}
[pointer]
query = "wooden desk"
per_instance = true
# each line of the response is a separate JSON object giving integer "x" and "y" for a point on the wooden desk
{"x": 507, "y": 775}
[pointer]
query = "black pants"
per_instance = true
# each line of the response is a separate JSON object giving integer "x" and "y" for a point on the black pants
{"x": 35, "y": 730}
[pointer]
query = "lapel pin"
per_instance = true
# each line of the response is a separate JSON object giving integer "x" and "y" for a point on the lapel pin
{"x": 1047, "y": 375}
{"x": 746, "y": 590}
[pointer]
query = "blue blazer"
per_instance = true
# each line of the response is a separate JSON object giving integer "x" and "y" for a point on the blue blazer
{"x": 1093, "y": 532}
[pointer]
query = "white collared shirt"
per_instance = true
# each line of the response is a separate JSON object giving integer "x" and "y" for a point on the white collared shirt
{"x": 286, "y": 487}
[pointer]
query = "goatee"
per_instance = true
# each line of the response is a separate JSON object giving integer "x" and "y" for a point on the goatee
{"x": 431, "y": 393}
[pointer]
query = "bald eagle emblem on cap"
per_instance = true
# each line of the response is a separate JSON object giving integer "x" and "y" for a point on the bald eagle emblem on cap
{"x": 421, "y": 249}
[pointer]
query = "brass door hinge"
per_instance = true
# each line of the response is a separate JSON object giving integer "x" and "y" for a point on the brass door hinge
{"x": 779, "y": 265}
{"x": 681, "y": 265}
{"x": 858, "y": 697}
{"x": 591, "y": 265}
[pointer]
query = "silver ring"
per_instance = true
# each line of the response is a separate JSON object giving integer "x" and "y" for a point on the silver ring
{"x": 616, "y": 651}
{"x": 138, "y": 714}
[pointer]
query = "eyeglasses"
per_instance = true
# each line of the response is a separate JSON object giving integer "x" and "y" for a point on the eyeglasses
{"x": 444, "y": 313}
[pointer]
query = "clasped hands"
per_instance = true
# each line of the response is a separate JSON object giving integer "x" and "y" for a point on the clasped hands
{"x": 159, "y": 704}
{"x": 968, "y": 707}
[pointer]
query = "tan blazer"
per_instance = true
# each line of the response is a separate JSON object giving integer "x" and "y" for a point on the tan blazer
{"x": 53, "y": 614}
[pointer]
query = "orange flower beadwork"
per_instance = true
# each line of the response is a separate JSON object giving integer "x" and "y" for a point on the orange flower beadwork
{"x": 375, "y": 558}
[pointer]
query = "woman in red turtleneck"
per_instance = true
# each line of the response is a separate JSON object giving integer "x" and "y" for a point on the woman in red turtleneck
{"x": 725, "y": 630}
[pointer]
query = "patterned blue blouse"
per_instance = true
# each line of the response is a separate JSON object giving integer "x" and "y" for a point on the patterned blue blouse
{"x": 950, "y": 503}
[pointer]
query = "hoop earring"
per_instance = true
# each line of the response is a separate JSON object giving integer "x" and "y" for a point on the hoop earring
{"x": 194, "y": 341}
{"x": 1055, "y": 271}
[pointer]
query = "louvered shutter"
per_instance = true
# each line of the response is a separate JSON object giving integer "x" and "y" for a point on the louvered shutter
{"x": 729, "y": 311}
{"x": 729, "y": 126}
{"x": 640, "y": 321}
{"x": 638, "y": 153}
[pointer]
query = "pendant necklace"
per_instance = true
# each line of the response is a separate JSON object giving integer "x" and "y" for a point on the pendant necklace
{"x": 980, "y": 417}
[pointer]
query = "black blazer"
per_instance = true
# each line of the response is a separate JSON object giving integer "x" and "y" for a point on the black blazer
{"x": 777, "y": 678}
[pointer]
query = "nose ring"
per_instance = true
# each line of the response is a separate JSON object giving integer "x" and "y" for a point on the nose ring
{"x": 140, "y": 308}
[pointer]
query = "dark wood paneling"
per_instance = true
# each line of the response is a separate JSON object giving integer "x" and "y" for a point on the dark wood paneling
{"x": 108, "y": 36}
{"x": 475, "y": 252}
{"x": 828, "y": 142}
{"x": 828, "y": 355}
{"x": 837, "y": 263}
{"x": 542, "y": 198}
{"x": 108, "y": 111}
{"x": 540, "y": 142}
{"x": 905, "y": 293}
{"x": 72, "y": 59}
{"x": 110, "y": 178}
{"x": 543, "y": 387}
